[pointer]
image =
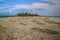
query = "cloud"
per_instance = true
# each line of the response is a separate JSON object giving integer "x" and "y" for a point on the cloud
{"x": 3, "y": 6}
{"x": 39, "y": 5}
{"x": 1, "y": 0}
{"x": 21, "y": 6}
{"x": 53, "y": 9}
{"x": 9, "y": 10}
{"x": 5, "y": 9}
{"x": 32, "y": 6}
{"x": 47, "y": 7}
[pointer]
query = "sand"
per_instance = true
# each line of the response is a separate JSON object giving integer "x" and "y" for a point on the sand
{"x": 29, "y": 28}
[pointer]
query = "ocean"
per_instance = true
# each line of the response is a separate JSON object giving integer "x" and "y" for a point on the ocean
{"x": 55, "y": 18}
{"x": 5, "y": 16}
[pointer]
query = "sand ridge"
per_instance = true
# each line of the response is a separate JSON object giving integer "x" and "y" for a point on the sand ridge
{"x": 29, "y": 28}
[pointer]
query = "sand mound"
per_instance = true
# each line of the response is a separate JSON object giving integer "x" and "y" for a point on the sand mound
{"x": 29, "y": 28}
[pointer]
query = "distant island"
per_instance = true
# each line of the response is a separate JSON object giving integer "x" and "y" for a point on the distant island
{"x": 26, "y": 14}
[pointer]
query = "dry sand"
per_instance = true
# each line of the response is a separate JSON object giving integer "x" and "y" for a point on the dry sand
{"x": 29, "y": 28}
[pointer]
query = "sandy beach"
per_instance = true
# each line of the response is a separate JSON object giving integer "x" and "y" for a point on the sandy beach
{"x": 29, "y": 28}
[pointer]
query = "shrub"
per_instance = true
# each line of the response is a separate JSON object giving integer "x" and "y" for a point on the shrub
{"x": 26, "y": 14}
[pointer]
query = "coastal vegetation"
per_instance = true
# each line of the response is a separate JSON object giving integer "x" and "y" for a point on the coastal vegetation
{"x": 27, "y": 14}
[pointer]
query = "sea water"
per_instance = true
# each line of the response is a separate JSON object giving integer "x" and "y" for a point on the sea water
{"x": 55, "y": 18}
{"x": 5, "y": 16}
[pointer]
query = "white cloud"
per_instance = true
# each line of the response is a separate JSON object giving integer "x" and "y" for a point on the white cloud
{"x": 39, "y": 5}
{"x": 21, "y": 6}
{"x": 5, "y": 8}
{"x": 53, "y": 9}
{"x": 9, "y": 10}
{"x": 32, "y": 6}
{"x": 1, "y": 0}
{"x": 48, "y": 9}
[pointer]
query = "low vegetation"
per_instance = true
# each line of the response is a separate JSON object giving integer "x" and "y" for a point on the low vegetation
{"x": 27, "y": 14}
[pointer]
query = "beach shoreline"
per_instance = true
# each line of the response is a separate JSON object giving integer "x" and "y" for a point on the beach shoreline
{"x": 29, "y": 28}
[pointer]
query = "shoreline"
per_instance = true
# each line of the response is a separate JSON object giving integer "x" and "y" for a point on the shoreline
{"x": 32, "y": 16}
{"x": 55, "y": 19}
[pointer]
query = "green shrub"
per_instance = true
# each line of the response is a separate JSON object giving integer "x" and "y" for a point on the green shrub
{"x": 26, "y": 14}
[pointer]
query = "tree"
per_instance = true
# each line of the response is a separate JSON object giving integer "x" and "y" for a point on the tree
{"x": 26, "y": 14}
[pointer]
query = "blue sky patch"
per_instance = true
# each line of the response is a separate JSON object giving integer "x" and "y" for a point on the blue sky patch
{"x": 41, "y": 7}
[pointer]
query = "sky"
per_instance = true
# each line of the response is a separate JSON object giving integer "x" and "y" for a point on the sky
{"x": 41, "y": 7}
